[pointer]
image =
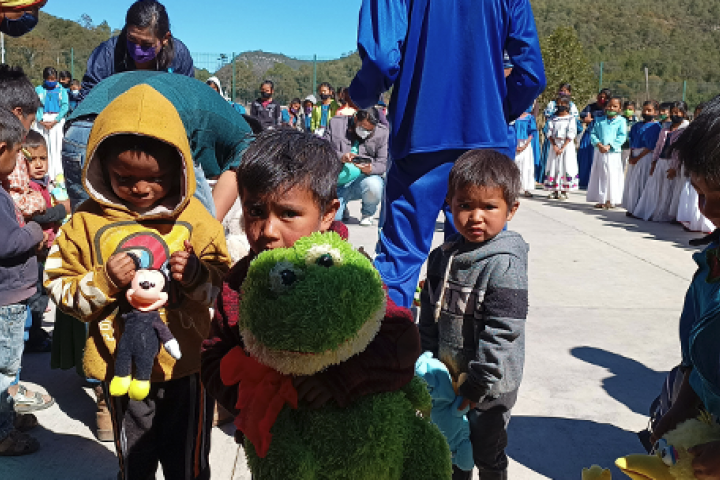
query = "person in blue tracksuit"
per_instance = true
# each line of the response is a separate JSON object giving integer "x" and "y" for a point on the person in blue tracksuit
{"x": 430, "y": 52}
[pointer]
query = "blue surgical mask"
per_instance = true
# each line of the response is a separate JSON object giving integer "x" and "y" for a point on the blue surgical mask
{"x": 19, "y": 26}
{"x": 50, "y": 85}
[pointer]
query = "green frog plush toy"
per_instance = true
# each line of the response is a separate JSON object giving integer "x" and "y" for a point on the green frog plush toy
{"x": 304, "y": 309}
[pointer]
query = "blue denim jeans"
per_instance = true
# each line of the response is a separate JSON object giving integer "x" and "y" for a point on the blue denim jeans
{"x": 73, "y": 160}
{"x": 368, "y": 188}
{"x": 12, "y": 326}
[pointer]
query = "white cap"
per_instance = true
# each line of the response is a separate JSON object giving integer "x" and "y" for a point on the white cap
{"x": 311, "y": 98}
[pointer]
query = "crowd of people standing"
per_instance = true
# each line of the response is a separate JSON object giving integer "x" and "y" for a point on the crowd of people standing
{"x": 153, "y": 160}
{"x": 620, "y": 154}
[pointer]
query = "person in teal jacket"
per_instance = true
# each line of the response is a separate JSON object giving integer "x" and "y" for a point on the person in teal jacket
{"x": 50, "y": 118}
{"x": 700, "y": 319}
{"x": 607, "y": 176}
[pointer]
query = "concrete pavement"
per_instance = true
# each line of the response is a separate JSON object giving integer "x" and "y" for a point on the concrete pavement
{"x": 605, "y": 295}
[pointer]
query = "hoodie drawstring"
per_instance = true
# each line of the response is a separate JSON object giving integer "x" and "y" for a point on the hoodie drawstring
{"x": 438, "y": 305}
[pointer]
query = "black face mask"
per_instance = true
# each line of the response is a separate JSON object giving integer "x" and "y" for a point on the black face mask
{"x": 676, "y": 119}
{"x": 563, "y": 109}
{"x": 265, "y": 94}
{"x": 20, "y": 26}
{"x": 324, "y": 97}
{"x": 648, "y": 118}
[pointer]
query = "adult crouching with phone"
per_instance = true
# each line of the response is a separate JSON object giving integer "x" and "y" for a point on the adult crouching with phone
{"x": 361, "y": 142}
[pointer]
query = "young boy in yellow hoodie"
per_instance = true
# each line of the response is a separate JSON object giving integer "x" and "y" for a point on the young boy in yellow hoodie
{"x": 140, "y": 179}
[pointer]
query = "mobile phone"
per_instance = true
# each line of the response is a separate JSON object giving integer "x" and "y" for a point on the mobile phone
{"x": 360, "y": 160}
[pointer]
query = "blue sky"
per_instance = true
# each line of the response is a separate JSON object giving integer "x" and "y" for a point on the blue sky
{"x": 226, "y": 26}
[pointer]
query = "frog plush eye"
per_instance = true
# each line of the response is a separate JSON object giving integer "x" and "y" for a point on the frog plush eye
{"x": 282, "y": 277}
{"x": 324, "y": 256}
{"x": 668, "y": 455}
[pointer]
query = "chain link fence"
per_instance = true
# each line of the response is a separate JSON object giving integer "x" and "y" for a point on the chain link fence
{"x": 308, "y": 71}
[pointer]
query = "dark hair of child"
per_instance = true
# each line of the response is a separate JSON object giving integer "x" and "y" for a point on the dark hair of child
{"x": 607, "y": 92}
{"x": 153, "y": 15}
{"x": 565, "y": 86}
{"x": 279, "y": 160}
{"x": 11, "y": 130}
{"x": 563, "y": 100}
{"x": 117, "y": 144}
{"x": 699, "y": 145}
{"x": 666, "y": 105}
{"x": 325, "y": 84}
{"x": 65, "y": 74}
{"x": 652, "y": 103}
{"x": 34, "y": 140}
{"x": 75, "y": 83}
{"x": 268, "y": 82}
{"x": 295, "y": 100}
{"x": 17, "y": 91}
{"x": 619, "y": 100}
{"x": 680, "y": 105}
{"x": 49, "y": 72}
{"x": 629, "y": 103}
{"x": 486, "y": 168}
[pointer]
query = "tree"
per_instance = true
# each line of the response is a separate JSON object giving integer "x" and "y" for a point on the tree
{"x": 566, "y": 62}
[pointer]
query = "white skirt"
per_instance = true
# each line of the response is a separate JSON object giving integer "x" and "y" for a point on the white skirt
{"x": 526, "y": 163}
{"x": 561, "y": 172}
{"x": 636, "y": 179}
{"x": 53, "y": 138}
{"x": 678, "y": 189}
{"x": 655, "y": 201}
{"x": 606, "y": 179}
{"x": 689, "y": 211}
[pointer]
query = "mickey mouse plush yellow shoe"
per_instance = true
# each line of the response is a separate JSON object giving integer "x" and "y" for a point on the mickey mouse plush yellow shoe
{"x": 139, "y": 389}
{"x": 119, "y": 386}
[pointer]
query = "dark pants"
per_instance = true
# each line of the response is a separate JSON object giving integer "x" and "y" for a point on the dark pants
{"x": 38, "y": 303}
{"x": 171, "y": 427}
{"x": 488, "y": 435}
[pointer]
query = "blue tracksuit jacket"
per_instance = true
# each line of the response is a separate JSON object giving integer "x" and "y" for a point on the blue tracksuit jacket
{"x": 445, "y": 59}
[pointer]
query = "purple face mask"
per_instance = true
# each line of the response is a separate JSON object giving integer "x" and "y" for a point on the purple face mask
{"x": 141, "y": 54}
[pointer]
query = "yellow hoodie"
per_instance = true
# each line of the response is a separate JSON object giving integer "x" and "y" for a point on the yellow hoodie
{"x": 74, "y": 272}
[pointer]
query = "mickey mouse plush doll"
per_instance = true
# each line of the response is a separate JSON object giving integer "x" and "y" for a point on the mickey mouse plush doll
{"x": 144, "y": 331}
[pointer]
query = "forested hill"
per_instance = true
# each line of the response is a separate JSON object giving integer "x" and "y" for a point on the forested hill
{"x": 676, "y": 40}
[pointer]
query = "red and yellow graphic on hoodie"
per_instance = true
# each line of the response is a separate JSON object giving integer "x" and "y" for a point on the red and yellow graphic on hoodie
{"x": 75, "y": 274}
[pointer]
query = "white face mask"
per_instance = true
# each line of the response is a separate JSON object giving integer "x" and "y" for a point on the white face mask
{"x": 362, "y": 133}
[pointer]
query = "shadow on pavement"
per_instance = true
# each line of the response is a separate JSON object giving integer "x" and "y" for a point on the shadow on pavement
{"x": 559, "y": 448}
{"x": 632, "y": 383}
{"x": 665, "y": 232}
{"x": 65, "y": 386}
{"x": 62, "y": 457}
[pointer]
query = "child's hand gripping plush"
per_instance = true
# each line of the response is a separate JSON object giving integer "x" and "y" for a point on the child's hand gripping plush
{"x": 678, "y": 455}
{"x": 143, "y": 328}
{"x": 446, "y": 414}
{"x": 304, "y": 309}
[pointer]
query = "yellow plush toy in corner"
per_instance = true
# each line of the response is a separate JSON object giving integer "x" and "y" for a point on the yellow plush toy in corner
{"x": 596, "y": 473}
{"x": 670, "y": 459}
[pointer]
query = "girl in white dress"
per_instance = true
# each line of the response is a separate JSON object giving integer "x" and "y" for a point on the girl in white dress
{"x": 643, "y": 138}
{"x": 607, "y": 179}
{"x": 561, "y": 173}
{"x": 525, "y": 130}
{"x": 656, "y": 201}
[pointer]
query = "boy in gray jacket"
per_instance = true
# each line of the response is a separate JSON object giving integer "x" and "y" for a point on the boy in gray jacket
{"x": 18, "y": 277}
{"x": 475, "y": 302}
